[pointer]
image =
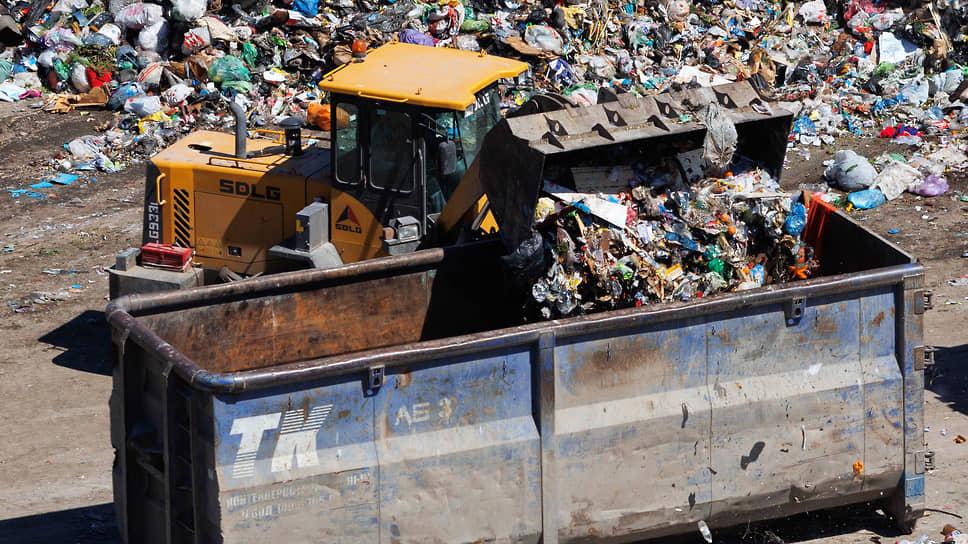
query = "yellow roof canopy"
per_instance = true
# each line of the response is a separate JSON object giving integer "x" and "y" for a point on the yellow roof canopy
{"x": 436, "y": 77}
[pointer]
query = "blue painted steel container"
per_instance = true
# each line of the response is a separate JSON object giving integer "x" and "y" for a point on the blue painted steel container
{"x": 396, "y": 400}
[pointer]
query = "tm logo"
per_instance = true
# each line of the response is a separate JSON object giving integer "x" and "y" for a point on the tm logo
{"x": 347, "y": 221}
{"x": 297, "y": 439}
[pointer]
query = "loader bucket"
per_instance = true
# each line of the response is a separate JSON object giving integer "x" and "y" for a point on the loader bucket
{"x": 521, "y": 152}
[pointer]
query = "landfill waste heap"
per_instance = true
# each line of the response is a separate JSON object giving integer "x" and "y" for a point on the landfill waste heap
{"x": 855, "y": 66}
{"x": 675, "y": 243}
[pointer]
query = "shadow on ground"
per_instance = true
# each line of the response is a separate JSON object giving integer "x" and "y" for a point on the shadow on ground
{"x": 87, "y": 525}
{"x": 949, "y": 377}
{"x": 85, "y": 342}
{"x": 876, "y": 526}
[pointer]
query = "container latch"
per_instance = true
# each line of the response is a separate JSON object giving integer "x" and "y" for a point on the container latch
{"x": 374, "y": 378}
{"x": 793, "y": 310}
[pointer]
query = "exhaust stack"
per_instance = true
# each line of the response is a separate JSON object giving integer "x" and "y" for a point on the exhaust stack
{"x": 240, "y": 130}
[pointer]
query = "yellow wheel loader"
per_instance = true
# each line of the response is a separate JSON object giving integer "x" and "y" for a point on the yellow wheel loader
{"x": 418, "y": 155}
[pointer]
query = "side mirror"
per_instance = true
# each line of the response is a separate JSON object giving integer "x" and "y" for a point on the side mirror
{"x": 447, "y": 157}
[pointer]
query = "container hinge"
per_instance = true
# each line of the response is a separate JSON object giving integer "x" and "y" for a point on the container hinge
{"x": 919, "y": 462}
{"x": 793, "y": 310}
{"x": 374, "y": 378}
{"x": 923, "y": 357}
{"x": 923, "y": 301}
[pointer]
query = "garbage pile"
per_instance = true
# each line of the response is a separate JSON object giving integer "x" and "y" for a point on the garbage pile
{"x": 891, "y": 174}
{"x": 657, "y": 242}
{"x": 863, "y": 67}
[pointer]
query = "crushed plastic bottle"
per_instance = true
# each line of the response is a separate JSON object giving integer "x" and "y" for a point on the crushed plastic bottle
{"x": 704, "y": 530}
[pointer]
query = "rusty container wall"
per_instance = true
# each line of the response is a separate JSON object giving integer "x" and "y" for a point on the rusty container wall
{"x": 461, "y": 427}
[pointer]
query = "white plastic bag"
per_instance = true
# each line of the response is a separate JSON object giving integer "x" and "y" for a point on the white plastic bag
{"x": 79, "y": 78}
{"x": 61, "y": 38}
{"x": 150, "y": 77}
{"x": 597, "y": 65}
{"x": 859, "y": 20}
{"x": 893, "y": 49}
{"x": 814, "y": 12}
{"x": 138, "y": 16}
{"x": 545, "y": 38}
{"x": 896, "y": 178}
{"x": 915, "y": 92}
{"x": 851, "y": 171}
{"x": 188, "y": 10}
{"x": 63, "y": 7}
{"x": 721, "y": 138}
{"x": 46, "y": 58}
{"x": 86, "y": 147}
{"x": 244, "y": 33}
{"x": 678, "y": 10}
{"x": 926, "y": 166}
{"x": 884, "y": 21}
{"x": 584, "y": 97}
{"x": 154, "y": 37}
{"x": 176, "y": 94}
{"x": 950, "y": 156}
{"x": 196, "y": 39}
{"x": 467, "y": 42}
{"x": 945, "y": 82}
{"x": 112, "y": 32}
{"x": 143, "y": 106}
{"x": 115, "y": 6}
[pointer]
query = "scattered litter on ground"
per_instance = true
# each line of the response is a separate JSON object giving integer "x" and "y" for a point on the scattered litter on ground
{"x": 874, "y": 69}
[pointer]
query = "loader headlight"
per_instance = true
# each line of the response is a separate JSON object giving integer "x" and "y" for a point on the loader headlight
{"x": 407, "y": 228}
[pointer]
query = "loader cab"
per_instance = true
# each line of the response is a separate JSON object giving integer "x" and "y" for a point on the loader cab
{"x": 402, "y": 160}
{"x": 408, "y": 121}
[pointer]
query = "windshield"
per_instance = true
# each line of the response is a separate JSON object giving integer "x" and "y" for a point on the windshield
{"x": 466, "y": 129}
{"x": 478, "y": 120}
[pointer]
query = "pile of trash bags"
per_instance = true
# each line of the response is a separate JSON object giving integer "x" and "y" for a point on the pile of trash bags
{"x": 871, "y": 184}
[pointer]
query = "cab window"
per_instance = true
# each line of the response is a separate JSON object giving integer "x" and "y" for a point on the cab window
{"x": 478, "y": 120}
{"x": 347, "y": 142}
{"x": 466, "y": 130}
{"x": 391, "y": 150}
{"x": 441, "y": 128}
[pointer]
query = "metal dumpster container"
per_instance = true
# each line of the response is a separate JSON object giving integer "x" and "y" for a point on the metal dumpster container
{"x": 399, "y": 400}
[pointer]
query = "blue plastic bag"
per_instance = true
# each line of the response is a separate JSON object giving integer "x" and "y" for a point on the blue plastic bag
{"x": 309, "y": 8}
{"x": 796, "y": 220}
{"x": 867, "y": 199}
{"x": 124, "y": 92}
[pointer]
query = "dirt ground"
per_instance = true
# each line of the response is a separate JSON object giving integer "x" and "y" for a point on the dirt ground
{"x": 55, "y": 378}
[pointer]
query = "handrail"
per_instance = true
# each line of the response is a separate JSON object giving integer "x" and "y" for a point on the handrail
{"x": 161, "y": 201}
